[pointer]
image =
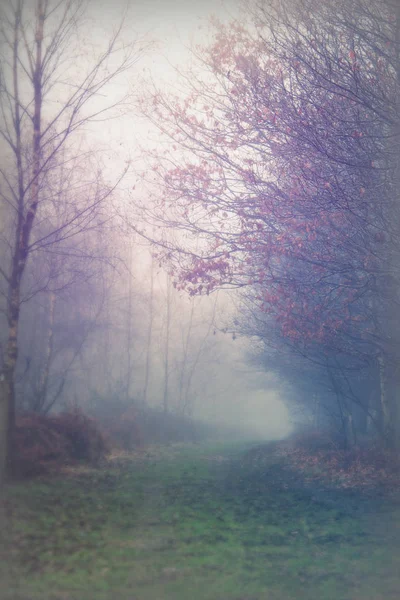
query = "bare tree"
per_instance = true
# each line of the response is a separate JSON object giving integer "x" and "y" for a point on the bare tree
{"x": 44, "y": 103}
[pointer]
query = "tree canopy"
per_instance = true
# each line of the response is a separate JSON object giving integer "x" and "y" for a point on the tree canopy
{"x": 281, "y": 175}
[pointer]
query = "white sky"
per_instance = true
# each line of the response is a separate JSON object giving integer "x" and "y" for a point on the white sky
{"x": 172, "y": 25}
{"x": 171, "y": 21}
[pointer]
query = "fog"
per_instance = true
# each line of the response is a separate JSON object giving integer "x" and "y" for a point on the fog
{"x": 199, "y": 299}
{"x": 101, "y": 320}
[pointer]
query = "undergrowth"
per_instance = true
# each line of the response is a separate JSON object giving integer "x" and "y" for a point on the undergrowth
{"x": 368, "y": 466}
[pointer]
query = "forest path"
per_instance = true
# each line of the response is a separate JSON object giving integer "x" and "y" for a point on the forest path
{"x": 205, "y": 522}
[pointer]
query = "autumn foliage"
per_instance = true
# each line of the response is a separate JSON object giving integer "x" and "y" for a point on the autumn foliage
{"x": 275, "y": 185}
{"x": 320, "y": 459}
{"x": 279, "y": 172}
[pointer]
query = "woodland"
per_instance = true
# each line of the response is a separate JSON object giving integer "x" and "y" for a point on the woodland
{"x": 175, "y": 244}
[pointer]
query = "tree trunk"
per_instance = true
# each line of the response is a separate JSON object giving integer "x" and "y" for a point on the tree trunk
{"x": 166, "y": 356}
{"x": 395, "y": 380}
{"x": 149, "y": 334}
{"x": 44, "y": 376}
{"x": 4, "y": 404}
{"x": 129, "y": 329}
{"x": 316, "y": 412}
{"x": 189, "y": 402}
{"x": 352, "y": 432}
{"x": 7, "y": 376}
{"x": 385, "y": 404}
{"x": 390, "y": 355}
{"x": 185, "y": 353}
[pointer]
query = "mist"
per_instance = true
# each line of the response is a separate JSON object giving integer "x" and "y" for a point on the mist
{"x": 199, "y": 294}
{"x": 101, "y": 320}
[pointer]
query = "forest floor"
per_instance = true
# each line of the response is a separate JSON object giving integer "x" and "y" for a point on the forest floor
{"x": 222, "y": 522}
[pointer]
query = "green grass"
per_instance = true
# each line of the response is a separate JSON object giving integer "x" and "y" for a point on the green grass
{"x": 198, "y": 523}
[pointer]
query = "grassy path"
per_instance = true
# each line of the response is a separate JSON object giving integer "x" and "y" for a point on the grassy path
{"x": 197, "y": 523}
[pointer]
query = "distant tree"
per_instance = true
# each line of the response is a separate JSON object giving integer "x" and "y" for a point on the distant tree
{"x": 167, "y": 344}
{"x": 322, "y": 388}
{"x": 197, "y": 347}
{"x": 55, "y": 330}
{"x": 149, "y": 333}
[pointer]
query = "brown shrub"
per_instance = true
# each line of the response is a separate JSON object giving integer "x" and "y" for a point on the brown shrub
{"x": 43, "y": 443}
{"x": 38, "y": 446}
{"x": 86, "y": 440}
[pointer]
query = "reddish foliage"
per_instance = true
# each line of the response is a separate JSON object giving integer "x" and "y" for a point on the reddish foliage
{"x": 269, "y": 165}
{"x": 44, "y": 443}
{"x": 368, "y": 466}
